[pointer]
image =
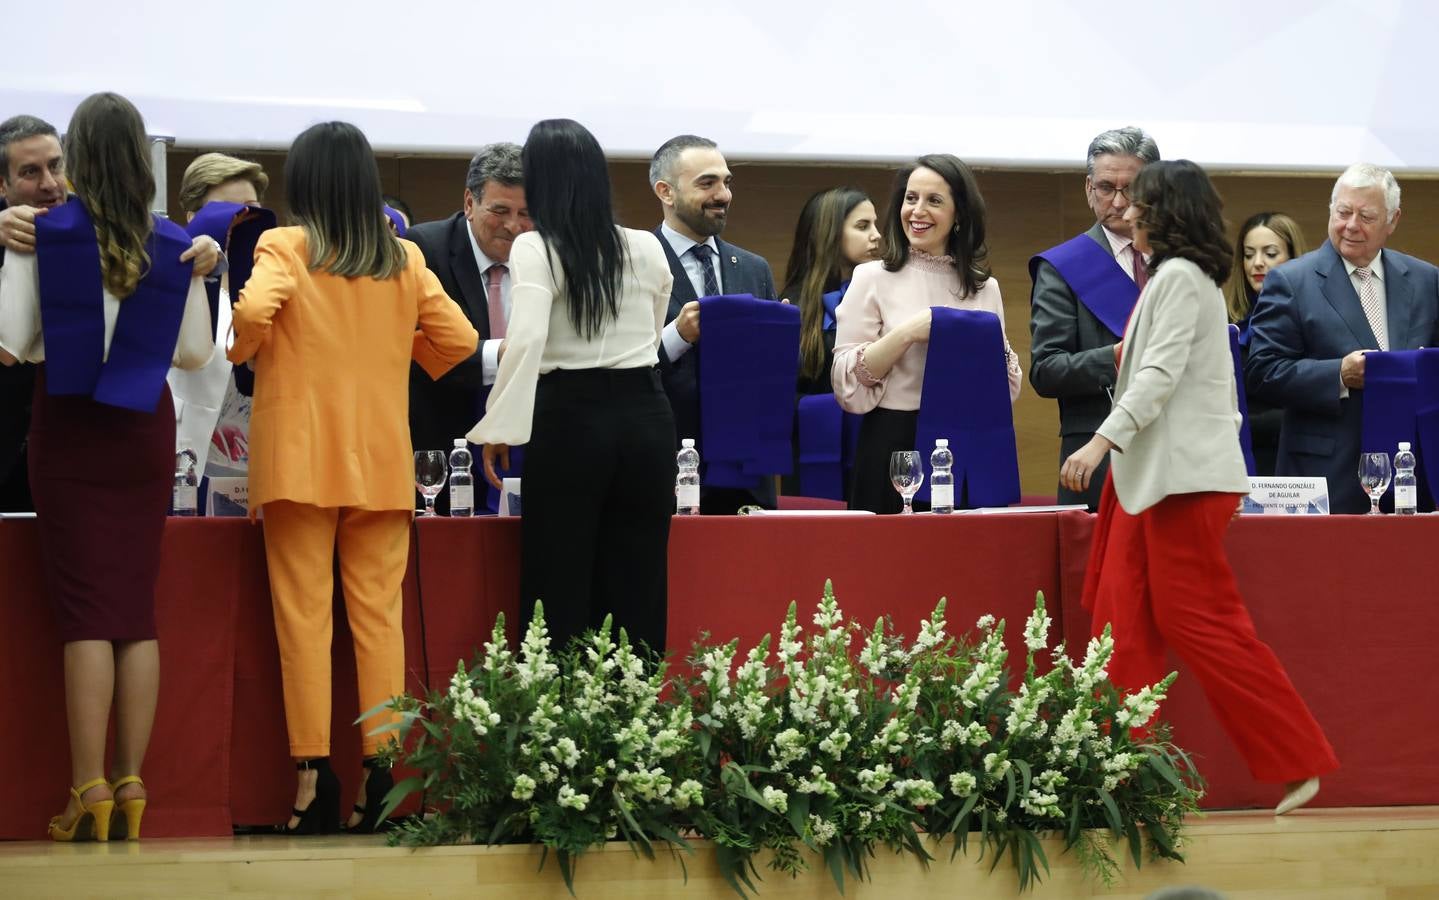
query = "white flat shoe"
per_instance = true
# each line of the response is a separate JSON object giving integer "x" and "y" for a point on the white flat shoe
{"x": 1299, "y": 796}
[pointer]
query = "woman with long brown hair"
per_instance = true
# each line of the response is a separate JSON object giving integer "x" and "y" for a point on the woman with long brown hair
{"x": 119, "y": 309}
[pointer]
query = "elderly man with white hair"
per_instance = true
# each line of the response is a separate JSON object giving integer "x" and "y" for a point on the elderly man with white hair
{"x": 1317, "y": 317}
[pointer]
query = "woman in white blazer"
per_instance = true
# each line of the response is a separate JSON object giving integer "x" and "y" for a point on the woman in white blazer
{"x": 1157, "y": 569}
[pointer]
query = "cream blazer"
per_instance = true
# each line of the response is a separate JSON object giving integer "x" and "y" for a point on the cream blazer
{"x": 1175, "y": 422}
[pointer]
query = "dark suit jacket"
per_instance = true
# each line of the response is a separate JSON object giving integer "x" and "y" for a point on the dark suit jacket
{"x": 742, "y": 272}
{"x": 1306, "y": 320}
{"x": 17, "y": 382}
{"x": 443, "y": 410}
{"x": 1071, "y": 360}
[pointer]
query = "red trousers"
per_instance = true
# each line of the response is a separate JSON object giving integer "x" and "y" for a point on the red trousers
{"x": 1162, "y": 580}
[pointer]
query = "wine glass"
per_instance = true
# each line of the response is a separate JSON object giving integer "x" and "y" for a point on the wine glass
{"x": 430, "y": 468}
{"x": 906, "y": 473}
{"x": 1374, "y": 475}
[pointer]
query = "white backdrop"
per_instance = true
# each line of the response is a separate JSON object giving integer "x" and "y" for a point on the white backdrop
{"x": 1234, "y": 84}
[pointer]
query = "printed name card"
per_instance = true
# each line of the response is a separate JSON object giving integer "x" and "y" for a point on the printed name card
{"x": 1287, "y": 497}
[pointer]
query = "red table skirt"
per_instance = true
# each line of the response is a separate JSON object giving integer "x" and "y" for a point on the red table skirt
{"x": 1346, "y": 602}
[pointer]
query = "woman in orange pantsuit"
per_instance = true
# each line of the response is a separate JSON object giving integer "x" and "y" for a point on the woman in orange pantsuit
{"x": 333, "y": 313}
{"x": 1157, "y": 569}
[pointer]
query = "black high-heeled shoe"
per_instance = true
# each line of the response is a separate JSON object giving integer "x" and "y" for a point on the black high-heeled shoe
{"x": 377, "y": 785}
{"x": 322, "y": 816}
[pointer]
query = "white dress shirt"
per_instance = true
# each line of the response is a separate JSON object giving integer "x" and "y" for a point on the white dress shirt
{"x": 490, "y": 349}
{"x": 1376, "y": 268}
{"x": 676, "y": 346}
{"x": 1123, "y": 250}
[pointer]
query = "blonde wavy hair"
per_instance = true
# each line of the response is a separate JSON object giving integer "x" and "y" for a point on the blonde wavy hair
{"x": 210, "y": 170}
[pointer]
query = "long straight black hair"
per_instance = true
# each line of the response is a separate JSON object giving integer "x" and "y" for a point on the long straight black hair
{"x": 332, "y": 185}
{"x": 567, "y": 188}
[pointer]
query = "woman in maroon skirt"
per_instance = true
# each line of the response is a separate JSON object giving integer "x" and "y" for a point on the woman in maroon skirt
{"x": 1157, "y": 568}
{"x": 119, "y": 307}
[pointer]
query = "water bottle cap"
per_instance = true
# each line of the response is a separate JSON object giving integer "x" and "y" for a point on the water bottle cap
{"x": 687, "y": 443}
{"x": 459, "y": 442}
{"x": 942, "y": 442}
{"x": 1403, "y": 445}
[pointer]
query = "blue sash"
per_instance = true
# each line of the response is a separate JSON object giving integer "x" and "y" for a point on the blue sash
{"x": 1426, "y": 411}
{"x": 748, "y": 366}
{"x": 72, "y": 312}
{"x": 1096, "y": 278}
{"x": 1390, "y": 400}
{"x": 831, "y": 303}
{"x": 237, "y": 229}
{"x": 1246, "y": 440}
{"x": 965, "y": 398}
{"x": 397, "y": 219}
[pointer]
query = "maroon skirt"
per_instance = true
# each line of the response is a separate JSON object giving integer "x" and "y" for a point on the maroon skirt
{"x": 101, "y": 477}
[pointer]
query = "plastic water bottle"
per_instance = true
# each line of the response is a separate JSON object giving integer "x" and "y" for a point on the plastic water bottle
{"x": 687, "y": 482}
{"x": 184, "y": 496}
{"x": 1406, "y": 492}
{"x": 941, "y": 478}
{"x": 462, "y": 481}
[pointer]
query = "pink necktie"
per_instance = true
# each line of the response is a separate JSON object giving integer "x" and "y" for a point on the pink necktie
{"x": 492, "y": 292}
{"x": 1373, "y": 311}
{"x": 1141, "y": 271}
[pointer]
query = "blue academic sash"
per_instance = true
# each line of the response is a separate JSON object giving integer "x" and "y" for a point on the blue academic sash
{"x": 831, "y": 302}
{"x": 397, "y": 220}
{"x": 237, "y": 229}
{"x": 72, "y": 312}
{"x": 748, "y": 366}
{"x": 1426, "y": 411}
{"x": 1246, "y": 439}
{"x": 1096, "y": 278}
{"x": 821, "y": 447}
{"x": 1390, "y": 400}
{"x": 965, "y": 398}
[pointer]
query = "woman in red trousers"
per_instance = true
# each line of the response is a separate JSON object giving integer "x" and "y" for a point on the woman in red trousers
{"x": 1157, "y": 569}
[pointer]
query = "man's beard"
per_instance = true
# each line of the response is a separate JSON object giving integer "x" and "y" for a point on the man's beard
{"x": 698, "y": 222}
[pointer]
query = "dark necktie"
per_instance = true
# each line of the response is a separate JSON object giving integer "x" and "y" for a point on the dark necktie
{"x": 703, "y": 253}
{"x": 1141, "y": 271}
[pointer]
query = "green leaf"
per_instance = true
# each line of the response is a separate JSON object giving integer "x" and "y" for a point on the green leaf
{"x": 798, "y": 813}
{"x": 1160, "y": 764}
{"x": 1024, "y": 772}
{"x": 1131, "y": 828}
{"x": 964, "y": 812}
{"x": 1111, "y": 812}
{"x": 1010, "y": 787}
{"x": 397, "y": 794}
{"x": 834, "y": 856}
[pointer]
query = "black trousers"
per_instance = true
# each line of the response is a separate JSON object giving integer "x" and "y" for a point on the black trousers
{"x": 599, "y": 491}
{"x": 882, "y": 432}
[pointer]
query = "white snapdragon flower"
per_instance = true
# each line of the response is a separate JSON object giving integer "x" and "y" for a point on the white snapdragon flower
{"x": 565, "y": 752}
{"x": 996, "y": 764}
{"x": 777, "y": 799}
{"x": 548, "y": 773}
{"x": 788, "y": 746}
{"x": 962, "y": 784}
{"x": 835, "y": 743}
{"x": 920, "y": 792}
{"x": 689, "y": 793}
{"x": 875, "y": 780}
{"x": 817, "y": 783}
{"x": 1139, "y": 708}
{"x": 952, "y": 733}
{"x": 570, "y": 798}
{"x": 524, "y": 787}
{"x": 1037, "y": 803}
{"x": 872, "y": 657}
{"x": 985, "y": 622}
{"x": 823, "y": 830}
{"x": 1036, "y": 630}
{"x": 534, "y": 665}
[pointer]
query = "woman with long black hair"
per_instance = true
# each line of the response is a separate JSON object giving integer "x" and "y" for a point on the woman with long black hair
{"x": 578, "y": 386}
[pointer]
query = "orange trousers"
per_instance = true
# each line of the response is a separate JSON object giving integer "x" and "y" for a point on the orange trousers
{"x": 300, "y": 545}
{"x": 1163, "y": 580}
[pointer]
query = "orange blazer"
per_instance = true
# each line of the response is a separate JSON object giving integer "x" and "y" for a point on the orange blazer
{"x": 330, "y": 425}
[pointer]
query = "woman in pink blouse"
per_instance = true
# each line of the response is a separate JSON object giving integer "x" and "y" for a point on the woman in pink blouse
{"x": 934, "y": 255}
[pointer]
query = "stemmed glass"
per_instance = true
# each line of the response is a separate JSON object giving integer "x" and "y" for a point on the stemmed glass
{"x": 1374, "y": 475}
{"x": 906, "y": 473}
{"x": 430, "y": 471}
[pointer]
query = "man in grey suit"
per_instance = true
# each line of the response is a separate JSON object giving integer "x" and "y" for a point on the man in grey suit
{"x": 692, "y": 181}
{"x": 1319, "y": 314}
{"x": 1083, "y": 292}
{"x": 470, "y": 252}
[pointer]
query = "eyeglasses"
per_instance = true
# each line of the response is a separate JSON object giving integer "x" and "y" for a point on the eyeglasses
{"x": 1106, "y": 191}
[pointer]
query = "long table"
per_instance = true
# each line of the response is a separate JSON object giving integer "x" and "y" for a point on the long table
{"x": 1347, "y": 602}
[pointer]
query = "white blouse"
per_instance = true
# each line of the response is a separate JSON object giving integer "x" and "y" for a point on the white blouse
{"x": 540, "y": 337}
{"x": 20, "y": 333}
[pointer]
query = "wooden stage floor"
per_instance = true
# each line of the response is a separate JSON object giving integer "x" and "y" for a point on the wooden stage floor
{"x": 1345, "y": 854}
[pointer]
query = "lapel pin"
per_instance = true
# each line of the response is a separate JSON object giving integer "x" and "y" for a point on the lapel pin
{"x": 734, "y": 260}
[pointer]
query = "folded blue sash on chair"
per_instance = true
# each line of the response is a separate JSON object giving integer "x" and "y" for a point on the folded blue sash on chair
{"x": 1096, "y": 278}
{"x": 1246, "y": 439}
{"x": 965, "y": 398}
{"x": 72, "y": 312}
{"x": 748, "y": 366}
{"x": 1391, "y": 409}
{"x": 821, "y": 447}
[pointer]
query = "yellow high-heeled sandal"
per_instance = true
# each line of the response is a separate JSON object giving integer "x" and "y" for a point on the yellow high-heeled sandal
{"x": 127, "y": 827}
{"x": 93, "y": 821}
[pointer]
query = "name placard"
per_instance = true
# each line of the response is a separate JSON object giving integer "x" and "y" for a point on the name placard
{"x": 1287, "y": 497}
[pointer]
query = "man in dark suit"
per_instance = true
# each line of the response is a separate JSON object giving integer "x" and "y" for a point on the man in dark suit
{"x": 32, "y": 177}
{"x": 1320, "y": 313}
{"x": 469, "y": 252}
{"x": 692, "y": 181}
{"x": 1072, "y": 344}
